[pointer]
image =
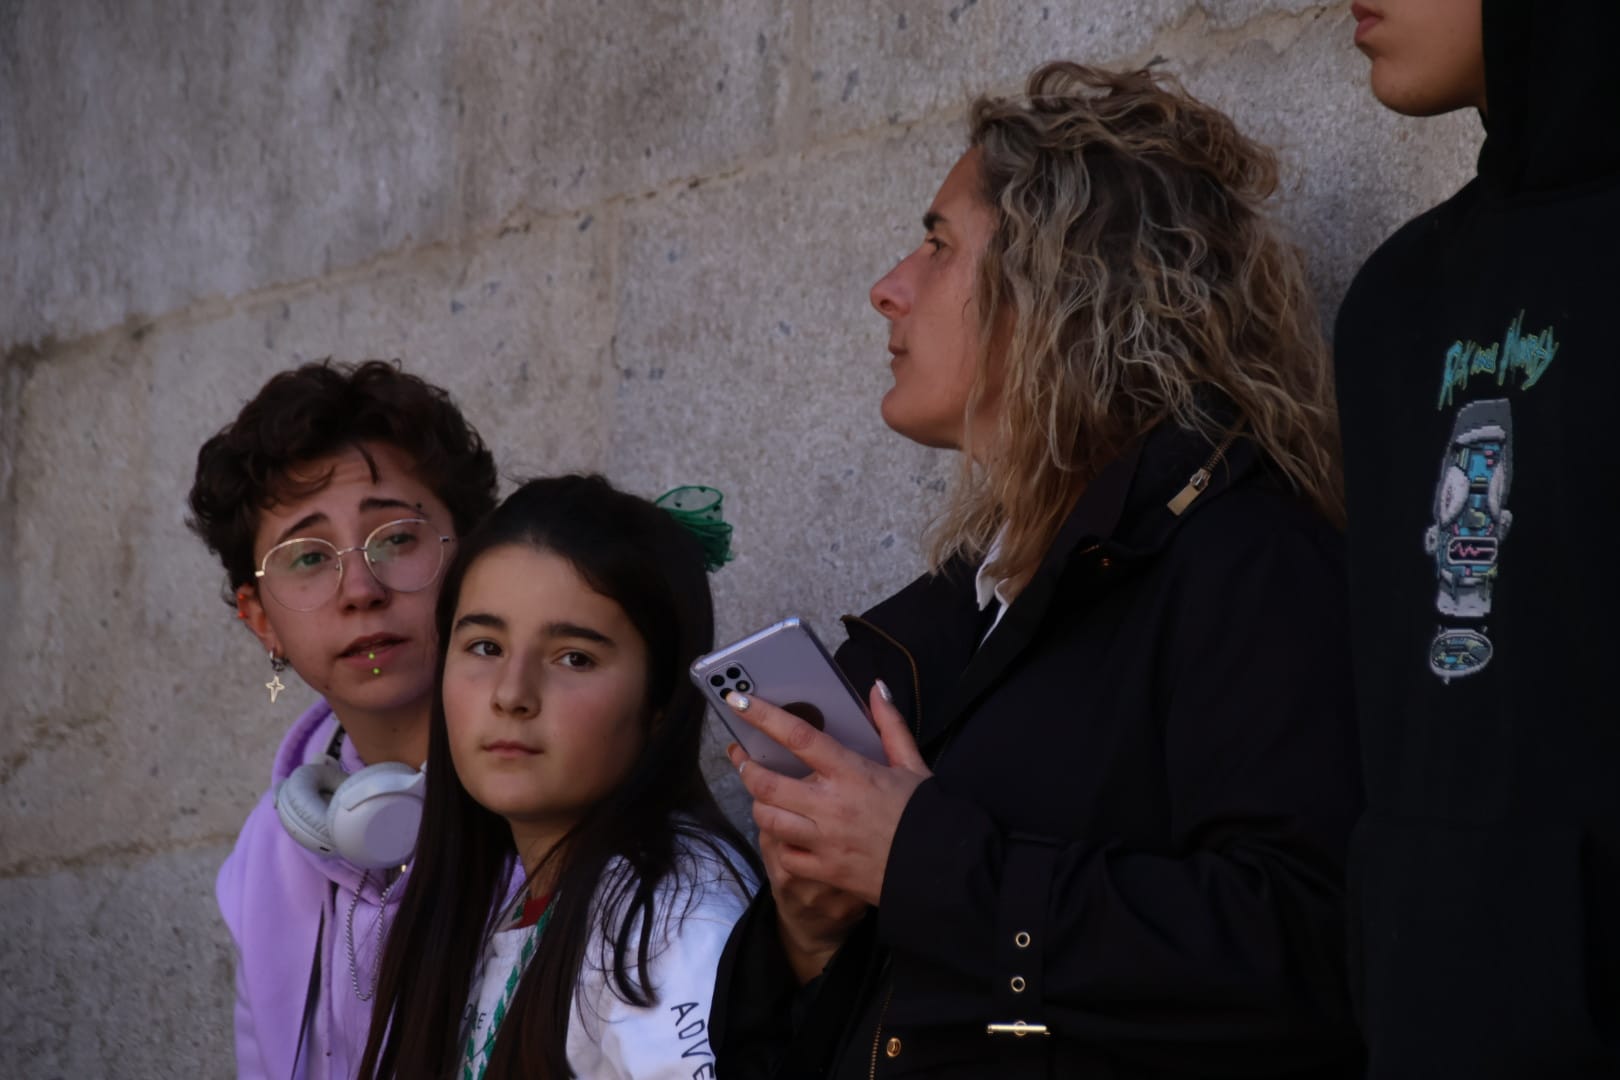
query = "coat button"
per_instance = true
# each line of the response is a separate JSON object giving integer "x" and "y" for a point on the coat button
{"x": 893, "y": 1048}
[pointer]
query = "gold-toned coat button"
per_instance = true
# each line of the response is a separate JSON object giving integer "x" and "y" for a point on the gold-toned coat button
{"x": 893, "y": 1048}
{"x": 1018, "y": 984}
{"x": 1021, "y": 939}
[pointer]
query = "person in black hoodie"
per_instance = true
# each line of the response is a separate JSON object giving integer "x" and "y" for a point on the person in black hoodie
{"x": 1110, "y": 840}
{"x": 1479, "y": 390}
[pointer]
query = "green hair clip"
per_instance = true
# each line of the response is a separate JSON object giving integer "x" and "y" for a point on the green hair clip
{"x": 697, "y": 508}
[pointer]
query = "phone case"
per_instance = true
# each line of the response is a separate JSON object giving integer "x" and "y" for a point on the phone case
{"x": 787, "y": 666}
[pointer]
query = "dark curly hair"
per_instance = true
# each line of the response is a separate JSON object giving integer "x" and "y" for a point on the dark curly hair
{"x": 319, "y": 409}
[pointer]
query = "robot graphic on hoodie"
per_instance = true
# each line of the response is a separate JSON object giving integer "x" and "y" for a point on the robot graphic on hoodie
{"x": 1478, "y": 365}
{"x": 1471, "y": 519}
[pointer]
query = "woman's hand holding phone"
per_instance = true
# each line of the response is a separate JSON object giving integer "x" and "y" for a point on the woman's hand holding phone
{"x": 812, "y": 920}
{"x": 835, "y": 826}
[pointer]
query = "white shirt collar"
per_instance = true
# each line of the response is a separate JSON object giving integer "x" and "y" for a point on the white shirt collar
{"x": 985, "y": 587}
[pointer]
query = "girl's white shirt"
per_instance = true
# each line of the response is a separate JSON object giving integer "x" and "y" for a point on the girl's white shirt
{"x": 694, "y": 911}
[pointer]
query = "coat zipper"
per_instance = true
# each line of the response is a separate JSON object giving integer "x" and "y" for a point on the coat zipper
{"x": 1199, "y": 480}
{"x": 877, "y": 1033}
{"x": 916, "y": 675}
{"x": 916, "y": 731}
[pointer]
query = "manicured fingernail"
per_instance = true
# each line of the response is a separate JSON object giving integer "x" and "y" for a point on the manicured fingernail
{"x": 883, "y": 692}
{"x": 737, "y": 701}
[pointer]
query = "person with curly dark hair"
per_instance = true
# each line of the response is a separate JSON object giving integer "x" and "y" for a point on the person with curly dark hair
{"x": 332, "y": 501}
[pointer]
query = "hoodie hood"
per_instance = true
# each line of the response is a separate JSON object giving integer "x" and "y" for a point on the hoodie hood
{"x": 1552, "y": 86}
{"x": 307, "y": 742}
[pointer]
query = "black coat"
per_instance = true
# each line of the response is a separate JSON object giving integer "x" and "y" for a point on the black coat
{"x": 1144, "y": 785}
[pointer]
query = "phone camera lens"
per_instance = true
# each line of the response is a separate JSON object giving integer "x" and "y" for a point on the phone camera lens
{"x": 733, "y": 673}
{"x": 717, "y": 680}
{"x": 744, "y": 687}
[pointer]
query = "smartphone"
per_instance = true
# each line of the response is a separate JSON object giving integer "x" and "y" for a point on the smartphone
{"x": 787, "y": 666}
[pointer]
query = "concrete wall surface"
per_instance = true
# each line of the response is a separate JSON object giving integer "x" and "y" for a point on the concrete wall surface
{"x": 628, "y": 235}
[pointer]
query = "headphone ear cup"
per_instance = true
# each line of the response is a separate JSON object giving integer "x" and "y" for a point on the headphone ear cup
{"x": 303, "y": 802}
{"x": 376, "y": 813}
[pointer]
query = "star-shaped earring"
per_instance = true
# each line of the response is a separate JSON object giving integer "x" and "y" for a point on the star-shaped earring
{"x": 275, "y": 685}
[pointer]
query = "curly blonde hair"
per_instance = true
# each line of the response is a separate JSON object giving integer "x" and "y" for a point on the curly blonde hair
{"x": 1138, "y": 270}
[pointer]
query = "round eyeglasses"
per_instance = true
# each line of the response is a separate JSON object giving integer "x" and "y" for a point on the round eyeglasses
{"x": 303, "y": 573}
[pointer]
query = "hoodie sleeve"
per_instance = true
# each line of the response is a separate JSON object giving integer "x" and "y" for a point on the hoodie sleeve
{"x": 669, "y": 1039}
{"x": 229, "y": 888}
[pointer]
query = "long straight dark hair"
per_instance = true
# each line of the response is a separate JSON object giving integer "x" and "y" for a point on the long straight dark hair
{"x": 642, "y": 559}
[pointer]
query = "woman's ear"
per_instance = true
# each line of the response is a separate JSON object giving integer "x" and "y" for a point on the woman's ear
{"x": 250, "y": 609}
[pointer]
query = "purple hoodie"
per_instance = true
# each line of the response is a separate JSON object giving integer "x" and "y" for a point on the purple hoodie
{"x": 271, "y": 892}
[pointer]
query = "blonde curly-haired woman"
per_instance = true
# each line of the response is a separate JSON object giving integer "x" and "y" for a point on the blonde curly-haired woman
{"x": 1110, "y": 838}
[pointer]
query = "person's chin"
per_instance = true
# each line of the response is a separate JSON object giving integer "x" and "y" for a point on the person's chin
{"x": 894, "y": 416}
{"x": 911, "y": 427}
{"x": 389, "y": 691}
{"x": 1399, "y": 94}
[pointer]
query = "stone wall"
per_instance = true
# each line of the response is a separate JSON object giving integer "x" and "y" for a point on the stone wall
{"x": 629, "y": 235}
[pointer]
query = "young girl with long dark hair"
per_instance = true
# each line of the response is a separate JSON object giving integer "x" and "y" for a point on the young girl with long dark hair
{"x": 574, "y": 881}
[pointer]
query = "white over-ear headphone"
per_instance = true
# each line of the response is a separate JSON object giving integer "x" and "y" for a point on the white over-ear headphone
{"x": 369, "y": 818}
